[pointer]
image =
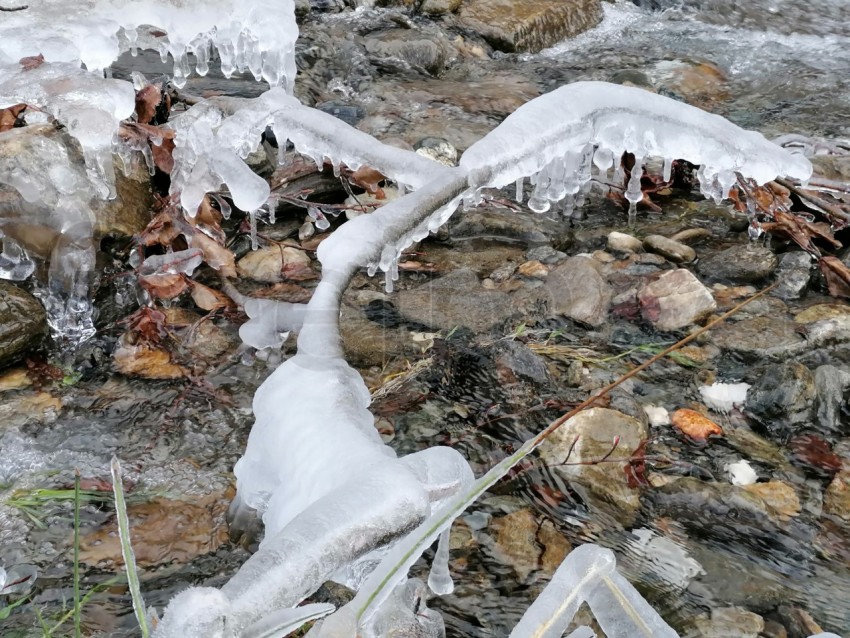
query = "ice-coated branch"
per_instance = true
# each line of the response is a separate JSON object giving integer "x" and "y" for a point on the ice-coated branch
{"x": 594, "y": 123}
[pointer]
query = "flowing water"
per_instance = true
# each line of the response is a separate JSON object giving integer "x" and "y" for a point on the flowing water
{"x": 778, "y": 66}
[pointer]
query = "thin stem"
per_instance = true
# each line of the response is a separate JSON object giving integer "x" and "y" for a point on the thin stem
{"x": 77, "y": 624}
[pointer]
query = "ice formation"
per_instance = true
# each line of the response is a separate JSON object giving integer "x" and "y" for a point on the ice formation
{"x": 741, "y": 473}
{"x": 592, "y": 123}
{"x": 724, "y": 397}
{"x": 589, "y": 574}
{"x": 250, "y": 35}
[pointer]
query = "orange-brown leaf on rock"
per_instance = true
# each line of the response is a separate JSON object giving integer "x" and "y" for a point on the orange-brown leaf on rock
{"x": 694, "y": 425}
{"x": 837, "y": 276}
{"x": 368, "y": 179}
{"x": 801, "y": 231}
{"x": 208, "y": 299}
{"x": 216, "y": 255}
{"x": 31, "y": 62}
{"x": 145, "y": 360}
{"x": 160, "y": 140}
{"x": 152, "y": 101}
{"x": 9, "y": 116}
{"x": 164, "y": 285}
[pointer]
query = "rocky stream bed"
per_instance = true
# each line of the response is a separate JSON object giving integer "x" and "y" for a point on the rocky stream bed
{"x": 732, "y": 520}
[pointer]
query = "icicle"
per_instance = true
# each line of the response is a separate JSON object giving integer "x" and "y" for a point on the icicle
{"x": 633, "y": 192}
{"x": 668, "y": 169}
{"x": 252, "y": 216}
{"x": 603, "y": 158}
{"x": 371, "y": 269}
{"x": 519, "y": 189}
{"x": 335, "y": 164}
{"x": 439, "y": 579}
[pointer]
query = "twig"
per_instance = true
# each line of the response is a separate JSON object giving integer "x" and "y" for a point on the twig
{"x": 10, "y": 9}
{"x": 77, "y": 624}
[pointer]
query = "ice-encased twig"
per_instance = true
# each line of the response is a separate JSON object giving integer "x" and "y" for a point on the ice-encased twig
{"x": 608, "y": 120}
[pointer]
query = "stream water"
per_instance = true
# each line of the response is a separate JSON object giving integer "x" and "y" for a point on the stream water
{"x": 777, "y": 66}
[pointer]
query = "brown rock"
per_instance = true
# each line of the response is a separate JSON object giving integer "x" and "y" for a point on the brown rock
{"x": 577, "y": 289}
{"x": 515, "y": 538}
{"x": 669, "y": 249}
{"x": 675, "y": 300}
{"x": 534, "y": 269}
{"x": 836, "y": 499}
{"x": 779, "y": 497}
{"x": 529, "y": 25}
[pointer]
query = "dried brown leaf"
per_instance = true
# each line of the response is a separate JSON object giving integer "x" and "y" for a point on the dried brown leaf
{"x": 695, "y": 425}
{"x": 368, "y": 179}
{"x": 164, "y": 285}
{"x": 9, "y": 116}
{"x": 209, "y": 299}
{"x": 216, "y": 255}
{"x": 837, "y": 276}
{"x": 31, "y": 62}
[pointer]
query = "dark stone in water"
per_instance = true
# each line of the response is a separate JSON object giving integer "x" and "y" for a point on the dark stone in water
{"x": 742, "y": 263}
{"x": 351, "y": 114}
{"x": 782, "y": 396}
{"x": 22, "y": 321}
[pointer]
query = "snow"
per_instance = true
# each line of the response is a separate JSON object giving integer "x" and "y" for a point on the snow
{"x": 741, "y": 473}
{"x": 724, "y": 397}
{"x": 597, "y": 118}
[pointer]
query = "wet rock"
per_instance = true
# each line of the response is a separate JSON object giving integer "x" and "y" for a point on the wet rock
{"x": 836, "y": 498}
{"x": 493, "y": 224}
{"x": 759, "y": 336}
{"x": 163, "y": 531}
{"x": 606, "y": 485}
{"x": 555, "y": 547}
{"x": 729, "y": 622}
{"x": 545, "y": 254}
{"x": 621, "y": 242}
{"x": 691, "y": 235}
{"x": 456, "y": 299}
{"x": 576, "y": 289}
{"x": 529, "y": 25}
{"x": 830, "y": 383}
{"x": 440, "y": 7}
{"x": 437, "y": 149}
{"x": 533, "y": 269}
{"x": 815, "y": 454}
{"x": 793, "y": 274}
{"x": 675, "y": 251}
{"x": 22, "y": 322}
{"x": 515, "y": 540}
{"x": 351, "y": 114}
{"x": 413, "y": 48}
{"x": 822, "y": 311}
{"x": 520, "y": 360}
{"x": 675, "y": 300}
{"x": 783, "y": 394}
{"x": 780, "y": 498}
{"x": 700, "y": 83}
{"x": 367, "y": 343}
{"x": 740, "y": 264}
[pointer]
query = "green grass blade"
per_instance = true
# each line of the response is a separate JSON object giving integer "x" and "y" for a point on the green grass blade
{"x": 127, "y": 548}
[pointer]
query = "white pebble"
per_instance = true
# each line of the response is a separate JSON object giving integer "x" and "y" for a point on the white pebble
{"x": 741, "y": 473}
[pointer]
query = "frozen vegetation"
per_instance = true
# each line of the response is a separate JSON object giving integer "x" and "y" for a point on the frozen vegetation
{"x": 335, "y": 501}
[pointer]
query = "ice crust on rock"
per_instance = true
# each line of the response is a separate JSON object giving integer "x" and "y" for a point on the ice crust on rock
{"x": 594, "y": 122}
{"x": 250, "y": 35}
{"x": 724, "y": 397}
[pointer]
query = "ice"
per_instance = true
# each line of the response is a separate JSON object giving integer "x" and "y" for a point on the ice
{"x": 614, "y": 119}
{"x": 657, "y": 415}
{"x": 664, "y": 558}
{"x": 182, "y": 261}
{"x": 439, "y": 579}
{"x": 88, "y": 105}
{"x": 741, "y": 473}
{"x": 15, "y": 263}
{"x": 724, "y": 397}
{"x": 588, "y": 574}
{"x": 251, "y": 35}
{"x": 270, "y": 322}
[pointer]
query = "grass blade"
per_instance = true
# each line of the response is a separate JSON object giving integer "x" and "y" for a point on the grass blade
{"x": 127, "y": 548}
{"x": 77, "y": 626}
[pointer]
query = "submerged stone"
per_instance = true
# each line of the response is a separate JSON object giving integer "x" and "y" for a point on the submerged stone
{"x": 22, "y": 321}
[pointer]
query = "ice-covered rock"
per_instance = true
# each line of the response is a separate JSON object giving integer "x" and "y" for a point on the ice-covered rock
{"x": 724, "y": 397}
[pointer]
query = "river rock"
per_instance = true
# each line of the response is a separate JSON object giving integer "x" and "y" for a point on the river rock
{"x": 729, "y": 622}
{"x": 836, "y": 498}
{"x": 515, "y": 541}
{"x": 740, "y": 264}
{"x": 367, "y": 343}
{"x": 783, "y": 394}
{"x": 529, "y": 25}
{"x": 22, "y": 321}
{"x": 793, "y": 274}
{"x": 456, "y": 299}
{"x": 605, "y": 485}
{"x": 675, "y": 251}
{"x": 545, "y": 254}
{"x": 765, "y": 336}
{"x": 512, "y": 227}
{"x": 439, "y": 7}
{"x": 417, "y": 49}
{"x": 624, "y": 243}
{"x": 830, "y": 383}
{"x": 675, "y": 300}
{"x": 576, "y": 289}
{"x": 272, "y": 263}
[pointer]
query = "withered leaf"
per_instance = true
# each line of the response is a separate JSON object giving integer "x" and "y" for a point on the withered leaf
{"x": 9, "y": 116}
{"x": 695, "y": 425}
{"x": 164, "y": 285}
{"x": 208, "y": 299}
{"x": 837, "y": 276}
{"x": 149, "y": 100}
{"x": 801, "y": 231}
{"x": 31, "y": 62}
{"x": 216, "y": 255}
{"x": 368, "y": 179}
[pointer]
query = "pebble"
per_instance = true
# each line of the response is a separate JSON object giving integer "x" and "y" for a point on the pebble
{"x": 742, "y": 263}
{"x": 534, "y": 269}
{"x": 793, "y": 274}
{"x": 675, "y": 300}
{"x": 624, "y": 243}
{"x": 675, "y": 251}
{"x": 577, "y": 290}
